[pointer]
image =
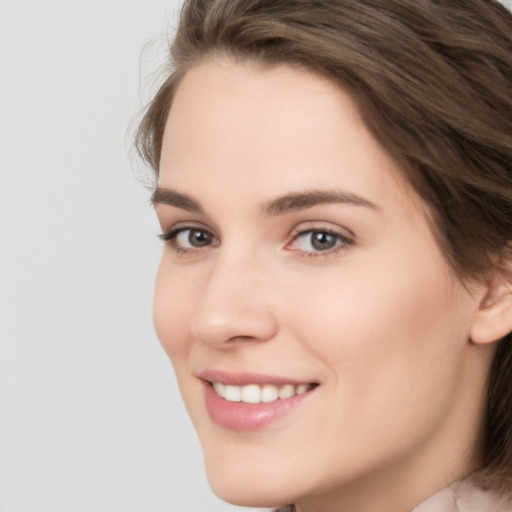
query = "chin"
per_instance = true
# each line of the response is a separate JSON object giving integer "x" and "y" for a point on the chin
{"x": 253, "y": 495}
{"x": 245, "y": 484}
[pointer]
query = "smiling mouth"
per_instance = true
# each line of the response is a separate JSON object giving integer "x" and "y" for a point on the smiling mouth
{"x": 256, "y": 393}
{"x": 245, "y": 402}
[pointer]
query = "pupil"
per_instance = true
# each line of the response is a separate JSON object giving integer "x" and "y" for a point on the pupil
{"x": 323, "y": 241}
{"x": 199, "y": 238}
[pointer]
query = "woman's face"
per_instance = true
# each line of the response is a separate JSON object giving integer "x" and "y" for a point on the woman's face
{"x": 298, "y": 262}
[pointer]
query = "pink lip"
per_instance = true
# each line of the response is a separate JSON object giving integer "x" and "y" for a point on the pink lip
{"x": 243, "y": 417}
{"x": 244, "y": 379}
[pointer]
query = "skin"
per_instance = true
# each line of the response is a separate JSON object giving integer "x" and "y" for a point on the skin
{"x": 378, "y": 319}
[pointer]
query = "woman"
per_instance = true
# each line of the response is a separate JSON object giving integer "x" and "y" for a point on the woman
{"x": 335, "y": 292}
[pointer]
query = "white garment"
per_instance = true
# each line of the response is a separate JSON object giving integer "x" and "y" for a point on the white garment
{"x": 470, "y": 495}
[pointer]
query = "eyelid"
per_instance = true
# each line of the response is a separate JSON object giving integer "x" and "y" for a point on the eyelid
{"x": 323, "y": 226}
{"x": 183, "y": 225}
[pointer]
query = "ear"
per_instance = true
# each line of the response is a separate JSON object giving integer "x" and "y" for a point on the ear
{"x": 493, "y": 320}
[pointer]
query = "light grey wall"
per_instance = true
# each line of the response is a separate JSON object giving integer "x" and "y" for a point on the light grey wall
{"x": 91, "y": 420}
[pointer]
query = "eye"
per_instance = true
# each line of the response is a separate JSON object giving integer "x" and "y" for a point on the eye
{"x": 312, "y": 242}
{"x": 193, "y": 238}
{"x": 189, "y": 239}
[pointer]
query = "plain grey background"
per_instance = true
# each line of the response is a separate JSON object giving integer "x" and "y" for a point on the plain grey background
{"x": 90, "y": 415}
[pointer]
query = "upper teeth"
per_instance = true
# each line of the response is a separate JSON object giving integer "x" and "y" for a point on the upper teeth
{"x": 254, "y": 394}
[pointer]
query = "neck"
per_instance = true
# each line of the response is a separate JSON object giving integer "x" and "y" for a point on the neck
{"x": 390, "y": 494}
{"x": 399, "y": 487}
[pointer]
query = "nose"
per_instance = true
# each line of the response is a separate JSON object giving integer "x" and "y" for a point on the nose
{"x": 235, "y": 305}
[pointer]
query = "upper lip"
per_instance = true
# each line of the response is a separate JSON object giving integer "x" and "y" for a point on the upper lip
{"x": 246, "y": 378}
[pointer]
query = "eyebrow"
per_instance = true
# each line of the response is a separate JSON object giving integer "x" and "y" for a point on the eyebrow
{"x": 173, "y": 198}
{"x": 294, "y": 201}
{"x": 303, "y": 200}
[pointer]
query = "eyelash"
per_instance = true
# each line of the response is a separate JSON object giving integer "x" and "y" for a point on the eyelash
{"x": 342, "y": 242}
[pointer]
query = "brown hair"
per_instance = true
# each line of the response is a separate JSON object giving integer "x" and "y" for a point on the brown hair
{"x": 433, "y": 82}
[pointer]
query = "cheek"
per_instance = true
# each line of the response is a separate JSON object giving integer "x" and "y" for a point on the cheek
{"x": 385, "y": 338}
{"x": 172, "y": 305}
{"x": 395, "y": 303}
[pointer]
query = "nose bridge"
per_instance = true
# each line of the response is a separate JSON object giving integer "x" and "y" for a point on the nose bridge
{"x": 234, "y": 304}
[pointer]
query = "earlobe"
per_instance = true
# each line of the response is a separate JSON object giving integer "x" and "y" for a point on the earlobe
{"x": 493, "y": 320}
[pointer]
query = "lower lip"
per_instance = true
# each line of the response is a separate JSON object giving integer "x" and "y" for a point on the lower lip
{"x": 244, "y": 417}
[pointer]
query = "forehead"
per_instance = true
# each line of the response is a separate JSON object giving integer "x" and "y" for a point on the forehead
{"x": 265, "y": 131}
